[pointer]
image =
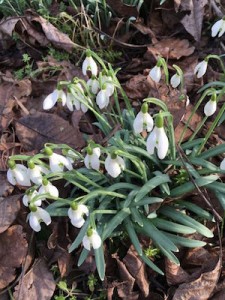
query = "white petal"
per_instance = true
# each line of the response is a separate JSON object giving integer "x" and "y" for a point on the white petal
{"x": 138, "y": 123}
{"x": 50, "y": 100}
{"x": 120, "y": 162}
{"x": 10, "y": 177}
{"x": 95, "y": 240}
{"x": 57, "y": 163}
{"x": 112, "y": 167}
{"x": 175, "y": 80}
{"x": 34, "y": 221}
{"x": 78, "y": 223}
{"x": 109, "y": 89}
{"x": 97, "y": 151}
{"x": 210, "y": 108}
{"x": 25, "y": 200}
{"x": 163, "y": 143}
{"x": 69, "y": 101}
{"x": 201, "y": 68}
{"x": 93, "y": 84}
{"x": 216, "y": 28}
{"x": 35, "y": 175}
{"x": 222, "y": 165}
{"x": 43, "y": 215}
{"x": 21, "y": 175}
{"x": 148, "y": 122}
{"x": 222, "y": 29}
{"x": 53, "y": 191}
{"x": 86, "y": 242}
{"x": 95, "y": 163}
{"x": 155, "y": 74}
{"x": 87, "y": 161}
{"x": 102, "y": 99}
{"x": 83, "y": 209}
{"x": 89, "y": 64}
{"x": 151, "y": 142}
{"x": 62, "y": 97}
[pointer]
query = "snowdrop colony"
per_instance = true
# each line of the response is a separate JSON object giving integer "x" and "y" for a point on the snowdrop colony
{"x": 122, "y": 186}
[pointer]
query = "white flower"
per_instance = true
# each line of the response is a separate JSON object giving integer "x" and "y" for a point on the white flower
{"x": 52, "y": 98}
{"x": 108, "y": 81}
{"x": 91, "y": 159}
{"x": 102, "y": 99}
{"x": 89, "y": 65}
{"x": 92, "y": 239}
{"x": 210, "y": 108}
{"x": 93, "y": 85}
{"x": 201, "y": 68}
{"x": 48, "y": 188}
{"x": 71, "y": 101}
{"x": 155, "y": 74}
{"x": 158, "y": 139}
{"x": 27, "y": 199}
{"x": 114, "y": 166}
{"x": 218, "y": 27}
{"x": 57, "y": 163}
{"x": 143, "y": 121}
{"x": 76, "y": 214}
{"x": 18, "y": 174}
{"x": 37, "y": 216}
{"x": 175, "y": 80}
{"x": 36, "y": 172}
{"x": 222, "y": 165}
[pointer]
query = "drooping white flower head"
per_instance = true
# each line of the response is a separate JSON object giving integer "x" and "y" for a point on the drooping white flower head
{"x": 222, "y": 165}
{"x": 201, "y": 68}
{"x": 36, "y": 216}
{"x": 48, "y": 188}
{"x": 218, "y": 28}
{"x": 109, "y": 85}
{"x": 36, "y": 172}
{"x": 175, "y": 80}
{"x": 77, "y": 98}
{"x": 102, "y": 98}
{"x": 91, "y": 159}
{"x": 93, "y": 85}
{"x": 210, "y": 107}
{"x": 76, "y": 214}
{"x": 18, "y": 174}
{"x": 28, "y": 197}
{"x": 51, "y": 99}
{"x": 57, "y": 162}
{"x": 89, "y": 65}
{"x": 114, "y": 165}
{"x": 92, "y": 239}
{"x": 71, "y": 101}
{"x": 143, "y": 120}
{"x": 158, "y": 139}
{"x": 155, "y": 74}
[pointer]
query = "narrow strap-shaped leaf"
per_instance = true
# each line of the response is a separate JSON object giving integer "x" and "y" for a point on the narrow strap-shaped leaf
{"x": 147, "y": 200}
{"x": 114, "y": 222}
{"x": 221, "y": 197}
{"x": 217, "y": 186}
{"x": 213, "y": 152}
{"x": 80, "y": 236}
{"x": 185, "y": 242}
{"x": 186, "y": 220}
{"x": 83, "y": 256}
{"x": 151, "y": 264}
{"x": 171, "y": 226}
{"x": 191, "y": 144}
{"x": 100, "y": 262}
{"x": 164, "y": 186}
{"x": 136, "y": 216}
{"x": 133, "y": 236}
{"x": 194, "y": 208}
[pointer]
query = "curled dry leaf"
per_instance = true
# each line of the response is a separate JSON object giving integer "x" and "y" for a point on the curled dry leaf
{"x": 170, "y": 48}
{"x": 13, "y": 249}
{"x": 9, "y": 208}
{"x": 175, "y": 274}
{"x": 35, "y": 130}
{"x": 37, "y": 284}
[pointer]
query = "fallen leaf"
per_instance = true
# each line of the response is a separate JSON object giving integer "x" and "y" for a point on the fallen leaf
{"x": 37, "y": 284}
{"x": 34, "y": 131}
{"x": 13, "y": 249}
{"x": 175, "y": 274}
{"x": 137, "y": 87}
{"x": 122, "y": 9}
{"x": 192, "y": 21}
{"x": 170, "y": 48}
{"x": 9, "y": 208}
{"x": 5, "y": 188}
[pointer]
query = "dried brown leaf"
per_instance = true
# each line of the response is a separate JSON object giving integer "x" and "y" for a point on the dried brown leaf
{"x": 175, "y": 274}
{"x": 35, "y": 130}
{"x": 122, "y": 9}
{"x": 192, "y": 21}
{"x": 5, "y": 188}
{"x": 137, "y": 87}
{"x": 13, "y": 249}
{"x": 136, "y": 267}
{"x": 37, "y": 284}
{"x": 9, "y": 208}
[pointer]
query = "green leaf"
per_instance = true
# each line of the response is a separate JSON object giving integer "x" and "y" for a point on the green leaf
{"x": 136, "y": 216}
{"x": 185, "y": 242}
{"x": 114, "y": 222}
{"x": 186, "y": 220}
{"x": 212, "y": 152}
{"x": 80, "y": 236}
{"x": 83, "y": 256}
{"x": 192, "y": 144}
{"x": 147, "y": 200}
{"x": 133, "y": 236}
{"x": 171, "y": 226}
{"x": 151, "y": 264}
{"x": 221, "y": 197}
{"x": 100, "y": 262}
{"x": 194, "y": 208}
{"x": 150, "y": 185}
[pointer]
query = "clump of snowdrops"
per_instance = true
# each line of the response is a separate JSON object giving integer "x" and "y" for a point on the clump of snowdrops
{"x": 128, "y": 186}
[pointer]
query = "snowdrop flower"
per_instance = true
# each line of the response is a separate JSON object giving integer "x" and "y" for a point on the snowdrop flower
{"x": 18, "y": 174}
{"x": 36, "y": 216}
{"x": 93, "y": 85}
{"x": 218, "y": 28}
{"x": 57, "y": 162}
{"x": 210, "y": 106}
{"x": 109, "y": 85}
{"x": 91, "y": 239}
{"x": 51, "y": 99}
{"x": 114, "y": 165}
{"x": 201, "y": 68}
{"x": 36, "y": 172}
{"x": 29, "y": 196}
{"x": 102, "y": 98}
{"x": 158, "y": 139}
{"x": 91, "y": 159}
{"x": 89, "y": 65}
{"x": 143, "y": 120}
{"x": 48, "y": 188}
{"x": 175, "y": 80}
{"x": 76, "y": 213}
{"x": 73, "y": 99}
{"x": 222, "y": 165}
